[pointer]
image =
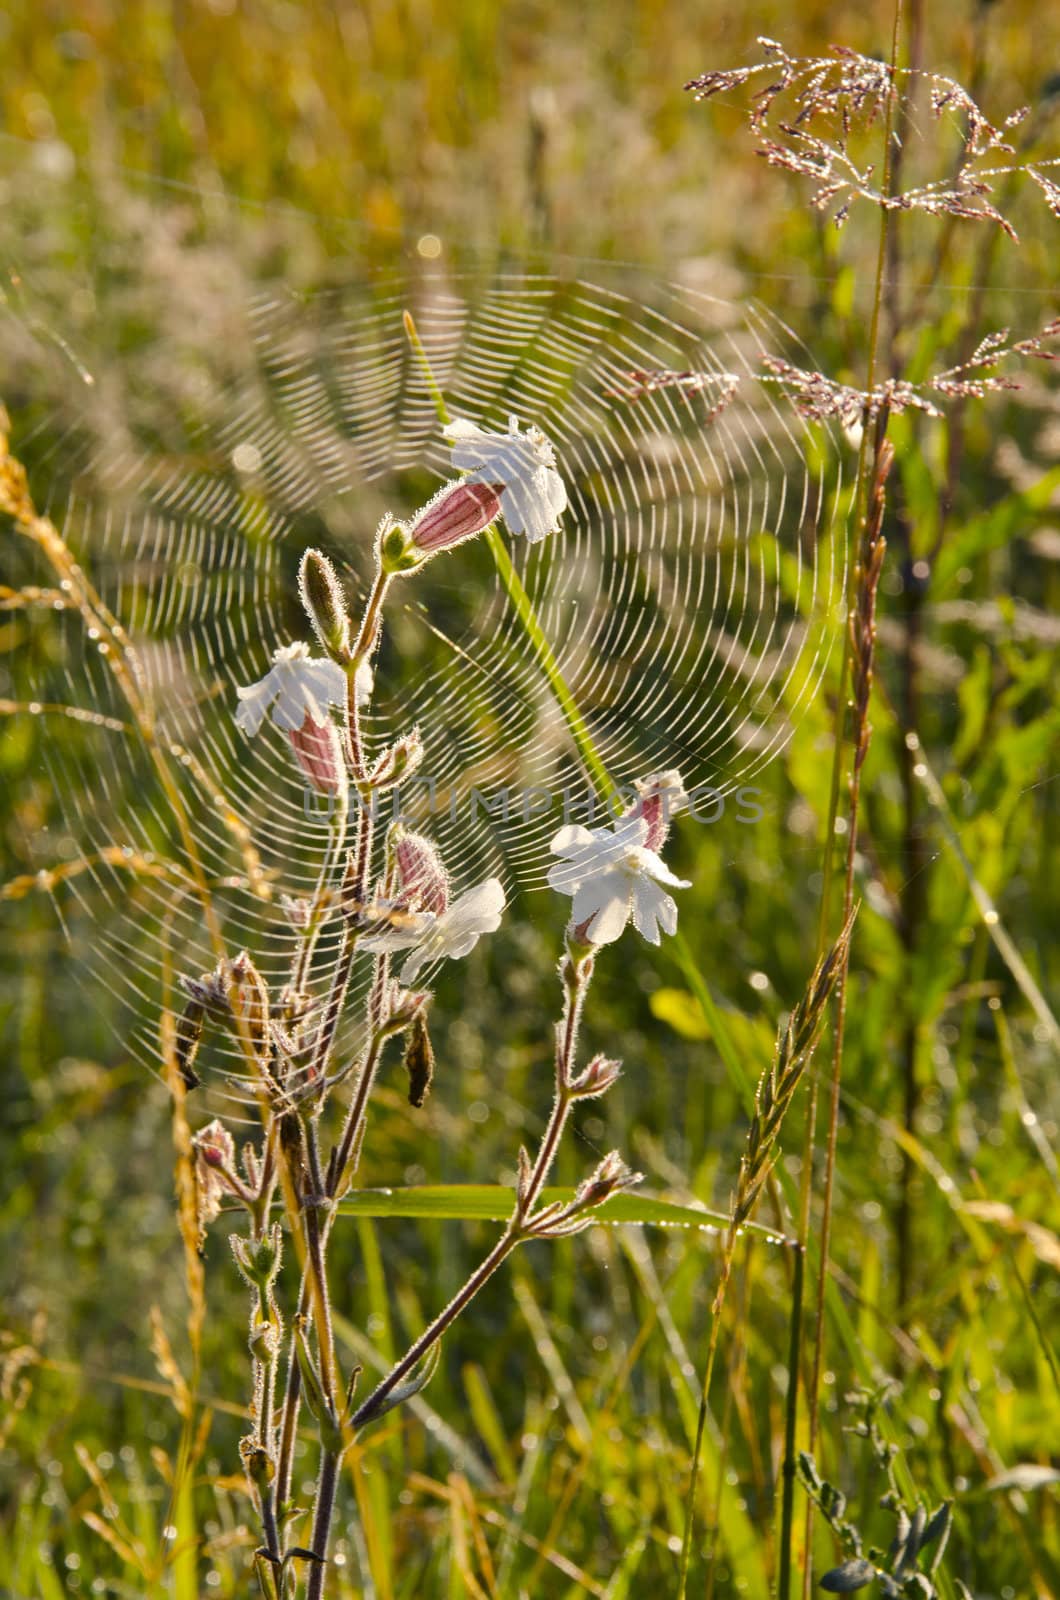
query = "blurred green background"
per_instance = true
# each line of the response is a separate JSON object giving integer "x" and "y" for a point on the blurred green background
{"x": 161, "y": 165}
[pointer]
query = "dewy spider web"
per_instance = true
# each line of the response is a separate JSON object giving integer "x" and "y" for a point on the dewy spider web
{"x": 690, "y": 596}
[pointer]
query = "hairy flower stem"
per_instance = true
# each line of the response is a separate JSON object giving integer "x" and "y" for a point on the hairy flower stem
{"x": 577, "y": 977}
{"x": 268, "y": 1523}
{"x": 363, "y": 651}
{"x": 321, "y": 1300}
{"x": 430, "y": 1336}
{"x": 347, "y": 1151}
{"x": 327, "y": 1483}
{"x": 321, "y": 894}
{"x": 292, "y": 1399}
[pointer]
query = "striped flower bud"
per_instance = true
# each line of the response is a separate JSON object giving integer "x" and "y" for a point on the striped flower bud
{"x": 423, "y": 880}
{"x": 457, "y": 512}
{"x": 319, "y": 754}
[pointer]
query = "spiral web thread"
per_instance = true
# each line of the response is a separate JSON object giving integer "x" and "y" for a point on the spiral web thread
{"x": 690, "y": 597}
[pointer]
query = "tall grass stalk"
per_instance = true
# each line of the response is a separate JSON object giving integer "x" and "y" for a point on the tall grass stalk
{"x": 773, "y": 1098}
{"x": 857, "y": 660}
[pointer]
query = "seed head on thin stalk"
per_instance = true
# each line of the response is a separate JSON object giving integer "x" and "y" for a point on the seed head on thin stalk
{"x": 810, "y": 109}
{"x": 776, "y": 1088}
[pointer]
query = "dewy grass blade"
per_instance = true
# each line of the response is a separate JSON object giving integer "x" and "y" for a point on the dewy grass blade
{"x": 485, "y": 1202}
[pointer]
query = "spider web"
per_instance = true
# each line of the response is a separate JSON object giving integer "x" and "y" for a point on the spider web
{"x": 690, "y": 597}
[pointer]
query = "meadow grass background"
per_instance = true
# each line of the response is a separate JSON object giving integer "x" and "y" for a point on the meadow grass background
{"x": 161, "y": 163}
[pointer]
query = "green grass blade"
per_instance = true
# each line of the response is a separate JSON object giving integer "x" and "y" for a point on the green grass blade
{"x": 491, "y": 1202}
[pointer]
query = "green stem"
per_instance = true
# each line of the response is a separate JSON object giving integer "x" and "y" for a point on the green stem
{"x": 524, "y": 609}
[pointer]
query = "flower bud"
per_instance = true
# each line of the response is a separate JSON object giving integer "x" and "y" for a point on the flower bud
{"x": 215, "y": 1152}
{"x": 405, "y": 1006}
{"x": 248, "y": 998}
{"x": 610, "y": 1177}
{"x": 423, "y": 880}
{"x": 215, "y": 1145}
{"x": 597, "y": 1078}
{"x": 259, "y": 1259}
{"x": 419, "y": 1061}
{"x": 524, "y": 1173}
{"x": 322, "y": 597}
{"x": 208, "y": 991}
{"x": 251, "y": 1165}
{"x": 399, "y": 761}
{"x": 263, "y": 1340}
{"x": 316, "y": 746}
{"x": 296, "y": 911}
{"x": 395, "y": 549}
{"x": 457, "y": 512}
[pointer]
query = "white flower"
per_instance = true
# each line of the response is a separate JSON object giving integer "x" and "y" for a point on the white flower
{"x": 521, "y": 465}
{"x": 446, "y": 937}
{"x": 613, "y": 876}
{"x": 297, "y": 686}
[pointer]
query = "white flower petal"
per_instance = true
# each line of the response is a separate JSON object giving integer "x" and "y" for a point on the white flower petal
{"x": 475, "y": 913}
{"x": 611, "y": 876}
{"x": 415, "y": 928}
{"x": 652, "y": 909}
{"x": 455, "y": 933}
{"x": 293, "y": 704}
{"x": 532, "y": 502}
{"x": 667, "y": 914}
{"x": 481, "y": 905}
{"x": 254, "y": 705}
{"x": 297, "y": 685}
{"x": 656, "y": 868}
{"x": 523, "y": 464}
{"x": 596, "y": 894}
{"x": 412, "y": 968}
{"x": 325, "y": 680}
{"x": 464, "y": 437}
{"x": 629, "y": 832}
{"x": 610, "y": 921}
{"x": 569, "y": 837}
